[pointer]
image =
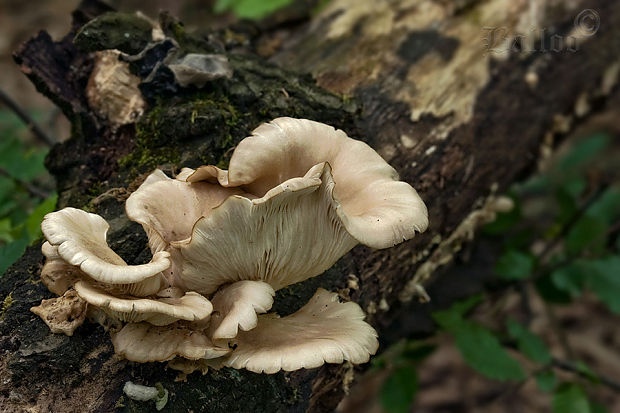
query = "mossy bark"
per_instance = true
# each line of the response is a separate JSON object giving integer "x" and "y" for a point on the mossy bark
{"x": 477, "y": 139}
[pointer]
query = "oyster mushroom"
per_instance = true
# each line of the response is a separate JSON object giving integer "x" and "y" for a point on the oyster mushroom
{"x": 323, "y": 331}
{"x": 306, "y": 194}
{"x": 297, "y": 196}
{"x": 236, "y": 307}
{"x": 78, "y": 256}
{"x": 191, "y": 306}
{"x": 143, "y": 343}
{"x": 80, "y": 239}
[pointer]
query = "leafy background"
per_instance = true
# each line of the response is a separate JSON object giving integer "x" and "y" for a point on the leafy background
{"x": 542, "y": 337}
{"x": 25, "y": 189}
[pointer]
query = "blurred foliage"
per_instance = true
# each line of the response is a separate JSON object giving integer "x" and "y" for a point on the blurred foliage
{"x": 401, "y": 385}
{"x": 562, "y": 238}
{"x": 25, "y": 195}
{"x": 259, "y": 9}
{"x": 250, "y": 9}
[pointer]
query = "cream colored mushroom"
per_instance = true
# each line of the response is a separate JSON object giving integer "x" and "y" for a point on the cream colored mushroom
{"x": 375, "y": 207}
{"x": 80, "y": 239}
{"x": 303, "y": 214}
{"x": 168, "y": 208}
{"x": 236, "y": 307}
{"x": 290, "y": 234}
{"x": 323, "y": 331}
{"x": 161, "y": 311}
{"x": 56, "y": 274}
{"x": 143, "y": 343}
{"x": 298, "y": 195}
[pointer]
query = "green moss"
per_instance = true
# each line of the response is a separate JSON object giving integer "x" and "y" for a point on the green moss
{"x": 208, "y": 120}
{"x": 6, "y": 304}
{"x": 190, "y": 43}
{"x": 123, "y": 31}
{"x": 120, "y": 402}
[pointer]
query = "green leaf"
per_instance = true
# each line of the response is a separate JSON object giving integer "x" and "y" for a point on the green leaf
{"x": 574, "y": 186}
{"x": 589, "y": 232}
{"x": 5, "y": 230}
{"x": 480, "y": 347}
{"x": 251, "y": 9}
{"x": 546, "y": 380}
{"x": 570, "y": 278}
{"x": 570, "y": 398}
{"x": 20, "y": 162}
{"x": 453, "y": 316}
{"x": 567, "y": 204}
{"x": 10, "y": 252}
{"x": 597, "y": 407}
{"x": 515, "y": 265}
{"x": 417, "y": 352}
{"x": 583, "y": 152}
{"x": 399, "y": 389}
{"x": 607, "y": 207}
{"x": 603, "y": 278}
{"x": 528, "y": 343}
{"x": 483, "y": 352}
{"x": 33, "y": 223}
{"x": 550, "y": 292}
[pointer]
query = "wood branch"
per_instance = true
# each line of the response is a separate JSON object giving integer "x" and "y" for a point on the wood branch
{"x": 459, "y": 120}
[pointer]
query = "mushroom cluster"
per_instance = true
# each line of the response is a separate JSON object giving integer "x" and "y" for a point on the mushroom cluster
{"x": 297, "y": 196}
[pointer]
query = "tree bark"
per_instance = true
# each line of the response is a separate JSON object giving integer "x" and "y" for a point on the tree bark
{"x": 459, "y": 114}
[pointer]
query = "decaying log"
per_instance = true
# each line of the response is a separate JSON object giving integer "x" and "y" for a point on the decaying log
{"x": 461, "y": 97}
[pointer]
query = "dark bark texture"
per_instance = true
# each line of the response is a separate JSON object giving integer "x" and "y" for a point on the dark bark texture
{"x": 458, "y": 114}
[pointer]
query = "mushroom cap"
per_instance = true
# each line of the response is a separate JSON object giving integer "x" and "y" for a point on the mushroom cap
{"x": 236, "y": 307}
{"x": 81, "y": 241}
{"x": 56, "y": 274}
{"x": 168, "y": 208}
{"x": 375, "y": 207}
{"x": 143, "y": 343}
{"x": 161, "y": 311}
{"x": 324, "y": 330}
{"x": 290, "y": 234}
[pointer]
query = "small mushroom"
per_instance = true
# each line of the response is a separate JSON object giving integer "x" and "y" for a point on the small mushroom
{"x": 161, "y": 311}
{"x": 322, "y": 331}
{"x": 236, "y": 306}
{"x": 143, "y": 343}
{"x": 80, "y": 239}
{"x": 57, "y": 275}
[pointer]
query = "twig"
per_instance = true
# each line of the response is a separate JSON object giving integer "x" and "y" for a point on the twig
{"x": 25, "y": 117}
{"x": 31, "y": 189}
{"x": 568, "y": 366}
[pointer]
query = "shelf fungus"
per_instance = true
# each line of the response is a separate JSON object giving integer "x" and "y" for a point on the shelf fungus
{"x": 297, "y": 196}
